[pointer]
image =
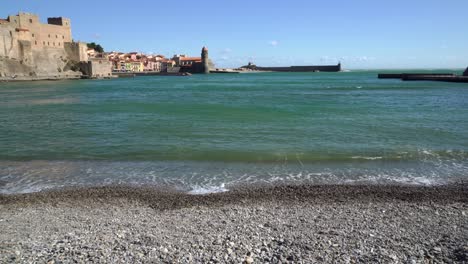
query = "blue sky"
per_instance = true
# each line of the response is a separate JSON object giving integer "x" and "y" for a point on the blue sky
{"x": 360, "y": 33}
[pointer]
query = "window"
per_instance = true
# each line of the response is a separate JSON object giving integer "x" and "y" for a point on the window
{"x": 43, "y": 43}
{"x": 48, "y": 43}
{"x": 49, "y": 35}
{"x": 56, "y": 36}
{"x": 63, "y": 37}
{"x": 30, "y": 20}
{"x": 53, "y": 43}
{"x": 59, "y": 44}
{"x": 35, "y": 42}
{"x": 33, "y": 35}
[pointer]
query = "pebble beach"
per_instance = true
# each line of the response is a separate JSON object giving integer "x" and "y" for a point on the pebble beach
{"x": 260, "y": 224}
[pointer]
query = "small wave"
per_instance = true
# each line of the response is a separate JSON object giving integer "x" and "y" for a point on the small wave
{"x": 200, "y": 190}
{"x": 427, "y": 152}
{"x": 424, "y": 181}
{"x": 366, "y": 158}
{"x": 44, "y": 102}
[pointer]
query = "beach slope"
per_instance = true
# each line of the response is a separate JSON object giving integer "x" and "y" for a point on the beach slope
{"x": 300, "y": 224}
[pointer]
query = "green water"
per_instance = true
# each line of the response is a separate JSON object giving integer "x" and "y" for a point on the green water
{"x": 215, "y": 129}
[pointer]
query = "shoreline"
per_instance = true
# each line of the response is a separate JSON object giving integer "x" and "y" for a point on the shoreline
{"x": 161, "y": 197}
{"x": 279, "y": 224}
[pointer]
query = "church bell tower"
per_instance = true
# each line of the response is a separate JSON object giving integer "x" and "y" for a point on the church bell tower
{"x": 204, "y": 56}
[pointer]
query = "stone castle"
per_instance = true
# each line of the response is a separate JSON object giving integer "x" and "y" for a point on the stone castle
{"x": 30, "y": 49}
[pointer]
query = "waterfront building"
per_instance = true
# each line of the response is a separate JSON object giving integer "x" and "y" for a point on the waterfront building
{"x": 31, "y": 49}
{"x": 91, "y": 53}
{"x": 182, "y": 60}
{"x": 27, "y": 27}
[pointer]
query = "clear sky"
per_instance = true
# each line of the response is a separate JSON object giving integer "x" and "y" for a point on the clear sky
{"x": 359, "y": 33}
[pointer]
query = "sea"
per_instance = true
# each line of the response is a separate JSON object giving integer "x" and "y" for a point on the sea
{"x": 210, "y": 133}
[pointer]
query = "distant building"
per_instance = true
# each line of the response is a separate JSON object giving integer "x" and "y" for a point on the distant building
{"x": 29, "y": 48}
{"x": 97, "y": 68}
{"x": 139, "y": 62}
{"x": 27, "y": 27}
{"x": 136, "y": 66}
{"x": 205, "y": 61}
{"x": 193, "y": 64}
{"x": 91, "y": 53}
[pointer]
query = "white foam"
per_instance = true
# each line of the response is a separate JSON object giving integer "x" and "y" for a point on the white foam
{"x": 200, "y": 190}
{"x": 366, "y": 158}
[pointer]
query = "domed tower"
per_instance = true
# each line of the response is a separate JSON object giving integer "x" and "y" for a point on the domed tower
{"x": 204, "y": 56}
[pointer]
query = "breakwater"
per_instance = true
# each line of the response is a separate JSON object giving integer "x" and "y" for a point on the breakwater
{"x": 312, "y": 68}
{"x": 441, "y": 77}
{"x": 406, "y": 75}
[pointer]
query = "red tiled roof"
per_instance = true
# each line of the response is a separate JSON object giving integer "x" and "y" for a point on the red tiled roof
{"x": 190, "y": 58}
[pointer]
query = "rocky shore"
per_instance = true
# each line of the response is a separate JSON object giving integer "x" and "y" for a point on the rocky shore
{"x": 281, "y": 224}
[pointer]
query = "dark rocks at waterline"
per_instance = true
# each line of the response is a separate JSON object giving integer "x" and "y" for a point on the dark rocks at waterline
{"x": 465, "y": 73}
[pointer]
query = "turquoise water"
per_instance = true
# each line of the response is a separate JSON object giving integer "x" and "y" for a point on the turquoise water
{"x": 213, "y": 131}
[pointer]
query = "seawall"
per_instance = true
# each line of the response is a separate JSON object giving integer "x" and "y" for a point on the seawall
{"x": 312, "y": 68}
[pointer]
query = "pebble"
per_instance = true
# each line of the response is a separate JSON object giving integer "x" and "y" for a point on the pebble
{"x": 307, "y": 232}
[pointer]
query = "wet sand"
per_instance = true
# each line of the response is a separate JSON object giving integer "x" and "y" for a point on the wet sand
{"x": 295, "y": 224}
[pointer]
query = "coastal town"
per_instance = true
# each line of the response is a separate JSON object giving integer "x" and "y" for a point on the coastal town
{"x": 31, "y": 50}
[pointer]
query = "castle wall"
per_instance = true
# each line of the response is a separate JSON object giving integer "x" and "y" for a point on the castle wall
{"x": 8, "y": 43}
{"x": 29, "y": 48}
{"x": 322, "y": 68}
{"x": 76, "y": 51}
{"x": 42, "y": 35}
{"x": 97, "y": 68}
{"x": 25, "y": 52}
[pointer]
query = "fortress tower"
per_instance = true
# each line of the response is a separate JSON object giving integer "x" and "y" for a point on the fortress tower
{"x": 29, "y": 48}
{"x": 204, "y": 56}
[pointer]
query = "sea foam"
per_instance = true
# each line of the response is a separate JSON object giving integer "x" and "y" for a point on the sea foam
{"x": 200, "y": 190}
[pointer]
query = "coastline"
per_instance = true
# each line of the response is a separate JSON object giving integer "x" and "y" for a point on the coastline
{"x": 40, "y": 78}
{"x": 295, "y": 223}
